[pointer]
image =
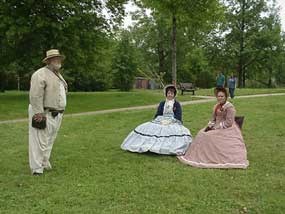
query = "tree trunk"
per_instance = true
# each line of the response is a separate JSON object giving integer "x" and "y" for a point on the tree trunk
{"x": 269, "y": 85}
{"x": 241, "y": 71}
{"x": 2, "y": 81}
{"x": 243, "y": 77}
{"x": 161, "y": 53}
{"x": 18, "y": 82}
{"x": 173, "y": 50}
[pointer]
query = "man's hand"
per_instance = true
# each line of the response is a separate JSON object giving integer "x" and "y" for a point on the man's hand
{"x": 38, "y": 117}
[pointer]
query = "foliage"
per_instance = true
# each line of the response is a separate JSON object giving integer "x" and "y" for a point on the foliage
{"x": 151, "y": 40}
{"x": 241, "y": 37}
{"x": 252, "y": 34}
{"x": 182, "y": 40}
{"x": 124, "y": 65}
{"x": 77, "y": 28}
{"x": 184, "y": 16}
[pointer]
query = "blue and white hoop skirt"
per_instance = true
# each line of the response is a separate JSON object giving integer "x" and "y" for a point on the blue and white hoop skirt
{"x": 163, "y": 135}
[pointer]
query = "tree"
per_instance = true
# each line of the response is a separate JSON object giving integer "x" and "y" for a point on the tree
{"x": 124, "y": 64}
{"x": 151, "y": 40}
{"x": 244, "y": 39}
{"x": 78, "y": 28}
{"x": 271, "y": 46}
{"x": 248, "y": 41}
{"x": 183, "y": 13}
{"x": 243, "y": 23}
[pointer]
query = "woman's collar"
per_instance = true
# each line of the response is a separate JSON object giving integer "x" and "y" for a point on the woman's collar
{"x": 172, "y": 100}
{"x": 226, "y": 105}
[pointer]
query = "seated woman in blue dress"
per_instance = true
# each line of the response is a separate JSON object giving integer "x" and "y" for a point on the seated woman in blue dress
{"x": 163, "y": 135}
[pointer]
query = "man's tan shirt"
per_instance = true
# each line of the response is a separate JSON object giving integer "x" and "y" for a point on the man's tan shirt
{"x": 46, "y": 91}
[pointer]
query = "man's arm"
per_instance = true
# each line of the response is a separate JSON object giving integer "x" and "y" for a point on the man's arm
{"x": 37, "y": 89}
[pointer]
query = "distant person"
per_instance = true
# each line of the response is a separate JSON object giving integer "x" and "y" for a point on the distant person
{"x": 220, "y": 80}
{"x": 163, "y": 135}
{"x": 220, "y": 144}
{"x": 232, "y": 86}
{"x": 47, "y": 104}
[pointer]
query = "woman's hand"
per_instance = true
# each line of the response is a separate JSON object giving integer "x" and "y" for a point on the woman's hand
{"x": 211, "y": 124}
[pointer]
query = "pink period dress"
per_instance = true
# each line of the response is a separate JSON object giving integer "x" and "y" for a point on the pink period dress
{"x": 222, "y": 147}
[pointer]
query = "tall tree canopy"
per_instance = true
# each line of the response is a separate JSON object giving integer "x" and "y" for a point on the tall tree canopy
{"x": 237, "y": 36}
{"x": 187, "y": 14}
{"x": 251, "y": 27}
{"x": 124, "y": 66}
{"x": 78, "y": 28}
{"x": 179, "y": 40}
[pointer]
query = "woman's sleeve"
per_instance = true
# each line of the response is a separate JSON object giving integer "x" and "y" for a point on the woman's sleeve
{"x": 178, "y": 112}
{"x": 230, "y": 117}
{"x": 159, "y": 110}
{"x": 213, "y": 118}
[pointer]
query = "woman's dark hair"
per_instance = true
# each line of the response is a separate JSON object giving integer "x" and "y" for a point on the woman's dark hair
{"x": 170, "y": 88}
{"x": 221, "y": 89}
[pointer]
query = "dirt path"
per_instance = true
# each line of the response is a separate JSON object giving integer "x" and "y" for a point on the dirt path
{"x": 205, "y": 99}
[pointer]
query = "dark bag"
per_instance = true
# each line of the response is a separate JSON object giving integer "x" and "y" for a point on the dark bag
{"x": 207, "y": 129}
{"x": 39, "y": 125}
{"x": 239, "y": 120}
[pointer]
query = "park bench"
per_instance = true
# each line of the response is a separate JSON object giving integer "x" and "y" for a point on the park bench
{"x": 239, "y": 121}
{"x": 187, "y": 87}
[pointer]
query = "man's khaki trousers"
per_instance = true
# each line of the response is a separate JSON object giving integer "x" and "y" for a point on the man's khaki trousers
{"x": 41, "y": 141}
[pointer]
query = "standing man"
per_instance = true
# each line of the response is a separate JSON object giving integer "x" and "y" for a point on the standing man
{"x": 232, "y": 85}
{"x": 220, "y": 80}
{"x": 47, "y": 104}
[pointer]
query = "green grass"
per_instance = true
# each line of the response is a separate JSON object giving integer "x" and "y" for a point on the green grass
{"x": 13, "y": 105}
{"x": 244, "y": 91}
{"x": 92, "y": 174}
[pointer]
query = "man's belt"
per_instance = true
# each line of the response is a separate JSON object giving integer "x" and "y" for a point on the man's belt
{"x": 54, "y": 112}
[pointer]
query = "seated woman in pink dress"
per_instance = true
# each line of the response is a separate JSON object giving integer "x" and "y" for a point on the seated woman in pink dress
{"x": 220, "y": 144}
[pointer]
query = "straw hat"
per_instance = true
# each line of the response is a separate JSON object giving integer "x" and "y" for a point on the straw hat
{"x": 52, "y": 53}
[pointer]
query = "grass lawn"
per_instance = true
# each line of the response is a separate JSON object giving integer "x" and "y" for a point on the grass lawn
{"x": 92, "y": 174}
{"x": 13, "y": 105}
{"x": 244, "y": 91}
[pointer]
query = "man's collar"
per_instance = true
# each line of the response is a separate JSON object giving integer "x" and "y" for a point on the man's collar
{"x": 51, "y": 69}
